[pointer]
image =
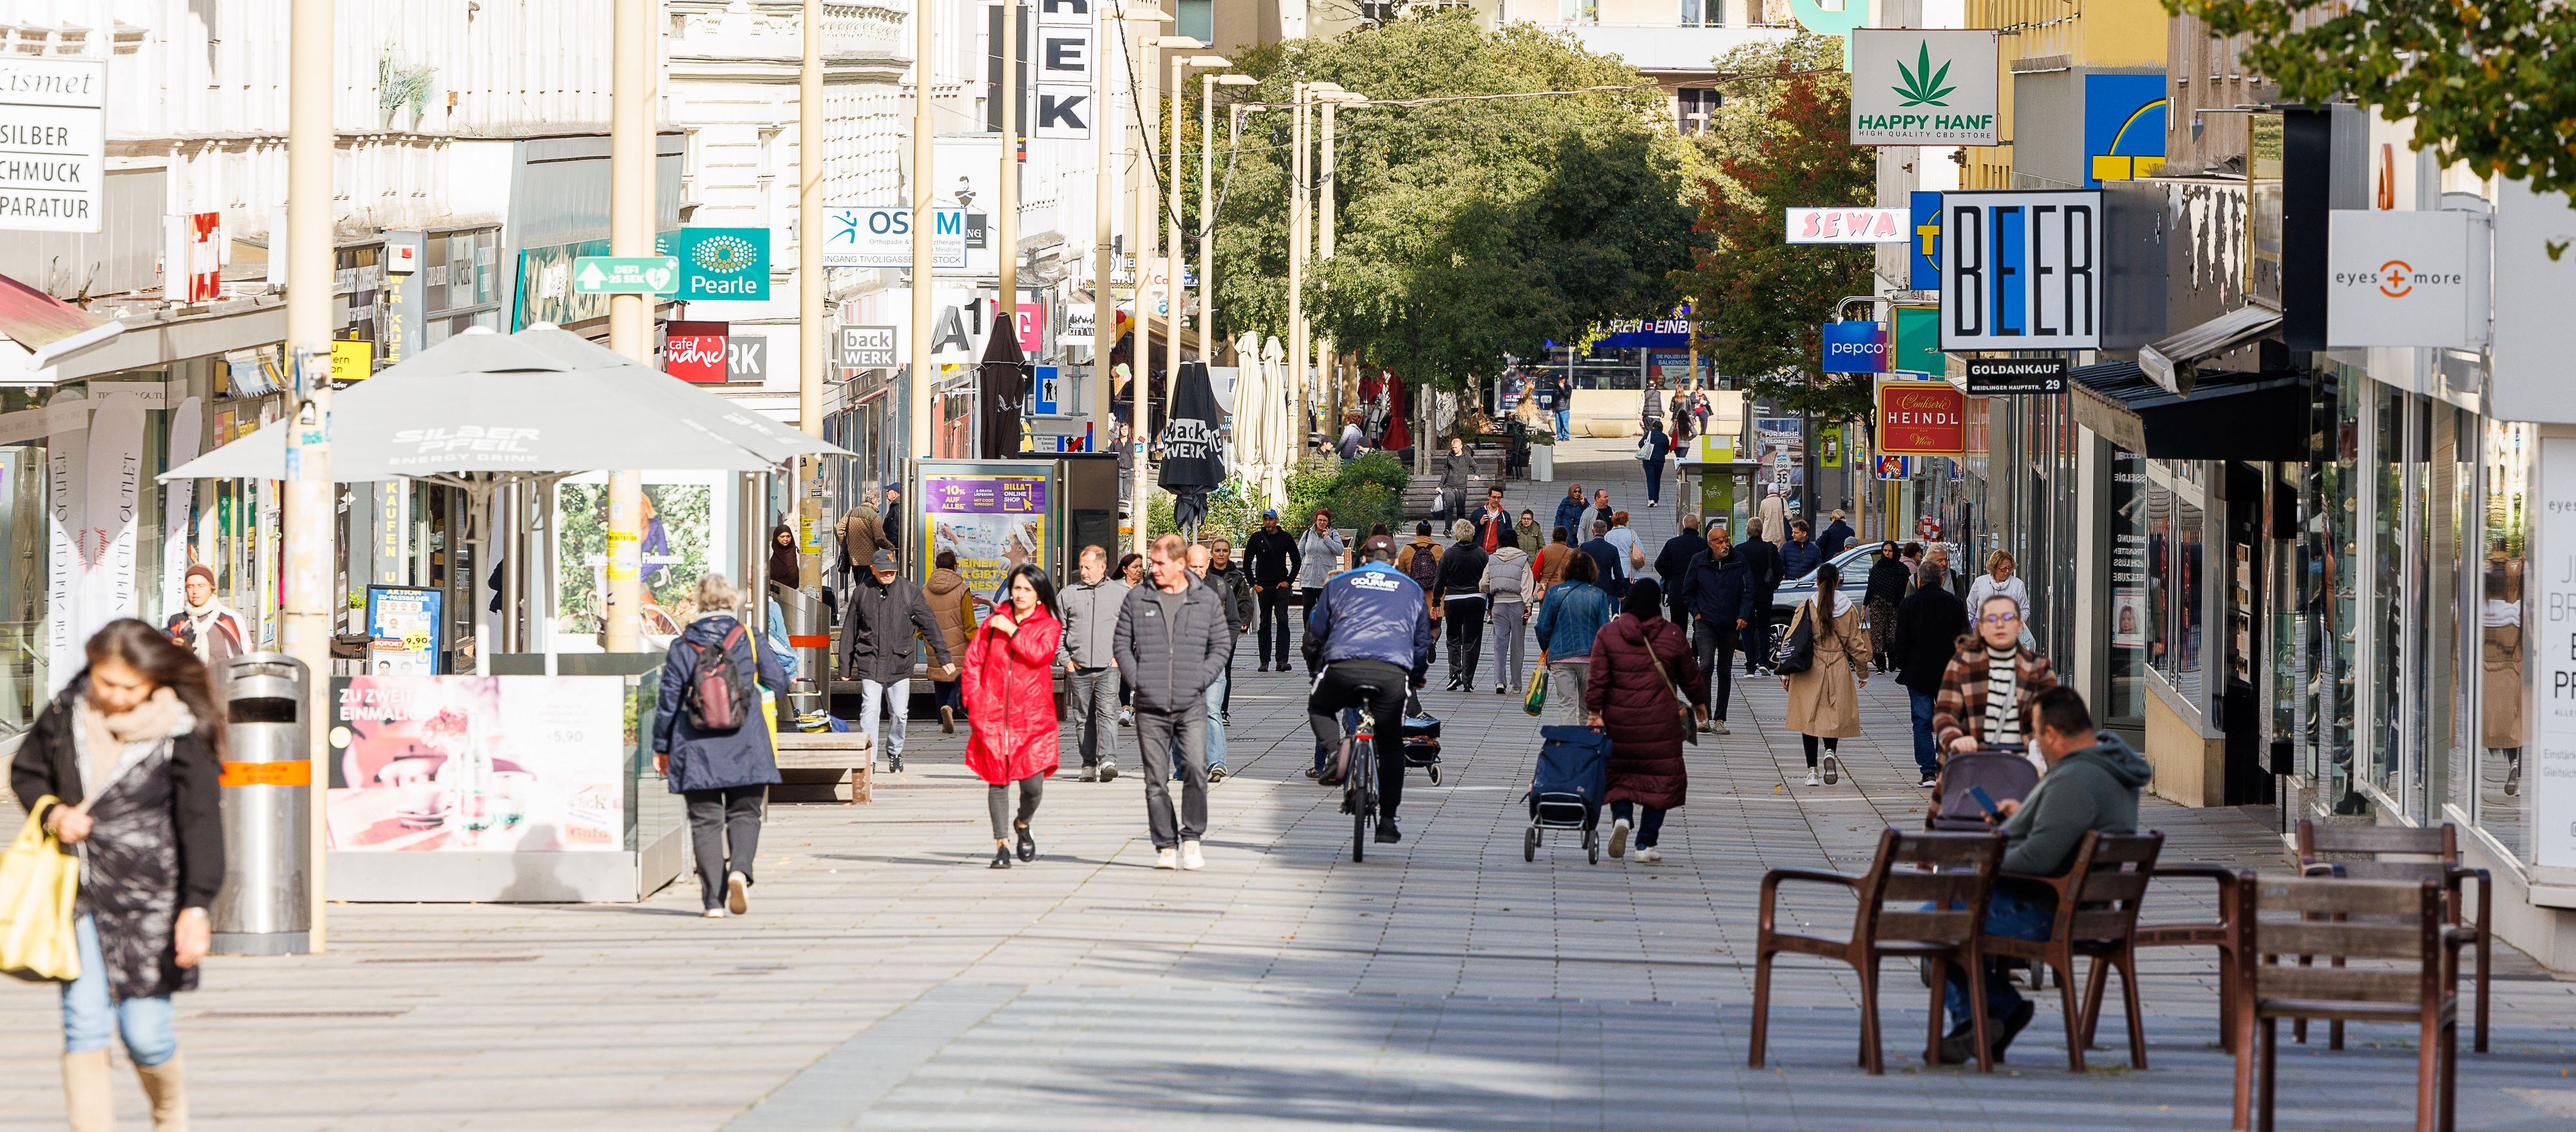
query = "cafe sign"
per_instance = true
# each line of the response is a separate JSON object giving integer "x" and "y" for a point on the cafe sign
{"x": 1915, "y": 87}
{"x": 1921, "y": 418}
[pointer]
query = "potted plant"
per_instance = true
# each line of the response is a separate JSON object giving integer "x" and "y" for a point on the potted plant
{"x": 1542, "y": 455}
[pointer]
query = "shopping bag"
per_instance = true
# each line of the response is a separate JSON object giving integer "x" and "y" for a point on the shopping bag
{"x": 1534, "y": 701}
{"x": 37, "y": 884}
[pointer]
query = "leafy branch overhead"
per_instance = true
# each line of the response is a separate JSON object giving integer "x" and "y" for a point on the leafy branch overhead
{"x": 2489, "y": 82}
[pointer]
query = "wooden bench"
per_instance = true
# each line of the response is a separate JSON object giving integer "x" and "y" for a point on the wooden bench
{"x": 833, "y": 751}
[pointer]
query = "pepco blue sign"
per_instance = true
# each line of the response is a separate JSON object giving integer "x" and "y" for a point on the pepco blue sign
{"x": 1855, "y": 347}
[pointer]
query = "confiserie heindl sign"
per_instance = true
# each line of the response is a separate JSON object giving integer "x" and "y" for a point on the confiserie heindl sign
{"x": 1916, "y": 87}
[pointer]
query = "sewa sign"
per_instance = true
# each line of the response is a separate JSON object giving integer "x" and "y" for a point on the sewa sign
{"x": 1913, "y": 87}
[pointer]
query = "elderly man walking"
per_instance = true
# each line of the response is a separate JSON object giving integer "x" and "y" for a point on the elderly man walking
{"x": 1090, "y": 609}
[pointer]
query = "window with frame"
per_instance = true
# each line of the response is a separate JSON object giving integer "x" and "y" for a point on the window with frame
{"x": 1694, "y": 107}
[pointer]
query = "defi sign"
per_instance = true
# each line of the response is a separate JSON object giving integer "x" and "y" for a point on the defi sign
{"x": 2021, "y": 270}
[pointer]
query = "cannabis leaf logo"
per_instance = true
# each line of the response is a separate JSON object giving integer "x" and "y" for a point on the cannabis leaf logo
{"x": 1922, "y": 85}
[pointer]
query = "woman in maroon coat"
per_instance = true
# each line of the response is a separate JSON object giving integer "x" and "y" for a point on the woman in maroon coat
{"x": 1626, "y": 689}
{"x": 1010, "y": 699}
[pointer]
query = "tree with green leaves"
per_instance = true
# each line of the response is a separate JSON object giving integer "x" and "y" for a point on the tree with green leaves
{"x": 2489, "y": 82}
{"x": 1781, "y": 140}
{"x": 1470, "y": 228}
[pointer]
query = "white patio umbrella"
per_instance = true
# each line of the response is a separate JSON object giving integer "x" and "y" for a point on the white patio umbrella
{"x": 481, "y": 411}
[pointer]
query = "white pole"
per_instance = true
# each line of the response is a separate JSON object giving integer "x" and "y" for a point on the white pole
{"x": 1104, "y": 308}
{"x": 1008, "y": 238}
{"x": 924, "y": 222}
{"x": 813, "y": 293}
{"x": 1299, "y": 422}
{"x": 1148, "y": 201}
{"x": 307, "y": 621}
{"x": 630, "y": 317}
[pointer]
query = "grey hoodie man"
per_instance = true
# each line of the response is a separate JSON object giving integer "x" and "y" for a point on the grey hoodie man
{"x": 2093, "y": 788}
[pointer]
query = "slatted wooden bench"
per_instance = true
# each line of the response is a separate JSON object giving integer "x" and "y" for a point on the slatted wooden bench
{"x": 834, "y": 751}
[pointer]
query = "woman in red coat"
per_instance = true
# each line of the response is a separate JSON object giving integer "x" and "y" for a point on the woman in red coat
{"x": 1010, "y": 699}
{"x": 1626, "y": 689}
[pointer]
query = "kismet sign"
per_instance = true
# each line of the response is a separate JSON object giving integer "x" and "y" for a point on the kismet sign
{"x": 2021, "y": 270}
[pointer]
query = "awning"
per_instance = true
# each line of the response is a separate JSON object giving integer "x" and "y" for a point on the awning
{"x": 2227, "y": 416}
{"x": 2170, "y": 362}
{"x": 48, "y": 327}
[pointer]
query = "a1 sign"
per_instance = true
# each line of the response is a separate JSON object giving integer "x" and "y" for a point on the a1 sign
{"x": 868, "y": 347}
{"x": 626, "y": 275}
{"x": 2021, "y": 270}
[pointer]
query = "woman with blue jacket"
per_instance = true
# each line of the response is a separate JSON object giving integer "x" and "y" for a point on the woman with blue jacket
{"x": 725, "y": 775}
{"x": 1568, "y": 618}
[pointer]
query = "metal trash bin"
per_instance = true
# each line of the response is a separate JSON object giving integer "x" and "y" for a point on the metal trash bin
{"x": 266, "y": 904}
{"x": 808, "y": 621}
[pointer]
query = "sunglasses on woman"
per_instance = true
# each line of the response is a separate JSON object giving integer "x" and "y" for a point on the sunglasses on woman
{"x": 2000, "y": 618}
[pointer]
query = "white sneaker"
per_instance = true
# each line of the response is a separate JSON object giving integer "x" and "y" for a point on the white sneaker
{"x": 1813, "y": 779}
{"x": 1719, "y": 726}
{"x": 1126, "y": 717}
{"x": 714, "y": 913}
{"x": 1647, "y": 855}
{"x": 1166, "y": 859}
{"x": 1619, "y": 837}
{"x": 737, "y": 900}
{"x": 1190, "y": 858}
{"x": 1108, "y": 770}
{"x": 1833, "y": 769}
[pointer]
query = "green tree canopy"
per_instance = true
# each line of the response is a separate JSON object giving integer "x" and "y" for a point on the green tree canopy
{"x": 1782, "y": 140}
{"x": 1466, "y": 229}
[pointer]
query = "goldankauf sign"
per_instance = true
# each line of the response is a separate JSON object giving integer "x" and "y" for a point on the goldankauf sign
{"x": 1913, "y": 87}
{"x": 2021, "y": 270}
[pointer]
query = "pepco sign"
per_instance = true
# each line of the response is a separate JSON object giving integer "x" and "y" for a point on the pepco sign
{"x": 1855, "y": 347}
{"x": 1922, "y": 418}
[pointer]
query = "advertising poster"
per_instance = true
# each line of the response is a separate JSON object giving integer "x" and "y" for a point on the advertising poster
{"x": 994, "y": 522}
{"x": 2128, "y": 619}
{"x": 1780, "y": 444}
{"x": 409, "y": 634}
{"x": 678, "y": 546}
{"x": 483, "y": 764}
{"x": 1893, "y": 468}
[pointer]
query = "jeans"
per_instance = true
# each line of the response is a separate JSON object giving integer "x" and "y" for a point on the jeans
{"x": 1509, "y": 670}
{"x": 1563, "y": 418}
{"x": 896, "y": 700}
{"x": 1306, "y": 599}
{"x": 1381, "y": 686}
{"x": 948, "y": 694}
{"x": 2013, "y": 915}
{"x": 1271, "y": 645}
{"x": 997, "y": 797}
{"x": 1565, "y": 686}
{"x": 1715, "y": 646}
{"x": 1465, "y": 618}
{"x": 1927, "y": 754}
{"x": 1215, "y": 723}
{"x": 724, "y": 824}
{"x": 1654, "y": 480}
{"x": 90, "y": 1019}
{"x": 1166, "y": 739}
{"x": 1649, "y": 829}
{"x": 1095, "y": 712}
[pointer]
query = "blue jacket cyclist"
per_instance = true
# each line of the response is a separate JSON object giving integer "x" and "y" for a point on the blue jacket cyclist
{"x": 1369, "y": 640}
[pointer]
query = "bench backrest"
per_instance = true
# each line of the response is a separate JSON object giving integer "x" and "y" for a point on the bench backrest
{"x": 1953, "y": 872}
{"x": 2352, "y": 919}
{"x": 2362, "y": 852}
{"x": 2107, "y": 881}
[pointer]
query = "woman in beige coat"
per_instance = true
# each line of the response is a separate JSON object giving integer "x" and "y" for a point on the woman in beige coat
{"x": 1824, "y": 703}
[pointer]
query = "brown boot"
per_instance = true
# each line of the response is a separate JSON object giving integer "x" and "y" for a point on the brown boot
{"x": 88, "y": 1100}
{"x": 167, "y": 1086}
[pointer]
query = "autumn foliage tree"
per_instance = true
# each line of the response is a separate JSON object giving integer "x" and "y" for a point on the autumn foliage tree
{"x": 1759, "y": 299}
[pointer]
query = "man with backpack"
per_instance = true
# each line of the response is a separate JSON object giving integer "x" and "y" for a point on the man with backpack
{"x": 879, "y": 620}
{"x": 1420, "y": 561}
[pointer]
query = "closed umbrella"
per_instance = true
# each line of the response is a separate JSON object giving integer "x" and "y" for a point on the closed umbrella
{"x": 1193, "y": 462}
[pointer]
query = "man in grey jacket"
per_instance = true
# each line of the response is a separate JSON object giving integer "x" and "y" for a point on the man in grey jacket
{"x": 1171, "y": 645}
{"x": 1089, "y": 654}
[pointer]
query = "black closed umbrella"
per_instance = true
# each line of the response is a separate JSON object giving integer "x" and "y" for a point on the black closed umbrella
{"x": 1004, "y": 388}
{"x": 1193, "y": 451}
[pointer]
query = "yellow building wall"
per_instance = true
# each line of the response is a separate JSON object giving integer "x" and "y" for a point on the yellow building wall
{"x": 2101, "y": 34}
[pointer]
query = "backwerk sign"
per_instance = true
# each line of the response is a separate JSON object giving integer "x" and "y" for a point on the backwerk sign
{"x": 2021, "y": 270}
{"x": 1914, "y": 87}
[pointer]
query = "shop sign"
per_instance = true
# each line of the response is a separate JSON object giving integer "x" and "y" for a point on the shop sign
{"x": 695, "y": 351}
{"x": 1848, "y": 226}
{"x": 1029, "y": 326}
{"x": 53, "y": 136}
{"x": 857, "y": 235}
{"x": 1996, "y": 377}
{"x": 868, "y": 347}
{"x": 2535, "y": 271}
{"x": 1915, "y": 87}
{"x": 1923, "y": 252}
{"x": 2405, "y": 279}
{"x": 406, "y": 629}
{"x": 721, "y": 263}
{"x": 352, "y": 359}
{"x": 2021, "y": 270}
{"x": 623, "y": 275}
{"x": 192, "y": 261}
{"x": 1921, "y": 418}
{"x": 1855, "y": 347}
{"x": 1917, "y": 345}
{"x": 747, "y": 359}
{"x": 1078, "y": 324}
{"x": 2553, "y": 771}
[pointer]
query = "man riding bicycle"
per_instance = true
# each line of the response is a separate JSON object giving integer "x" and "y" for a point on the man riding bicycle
{"x": 1368, "y": 638}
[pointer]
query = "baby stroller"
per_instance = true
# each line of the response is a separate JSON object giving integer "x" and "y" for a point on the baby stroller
{"x": 1421, "y": 733}
{"x": 2005, "y": 774}
{"x": 1573, "y": 774}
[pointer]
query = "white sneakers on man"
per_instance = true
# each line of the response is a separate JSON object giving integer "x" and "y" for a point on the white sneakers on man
{"x": 1166, "y": 859}
{"x": 1190, "y": 858}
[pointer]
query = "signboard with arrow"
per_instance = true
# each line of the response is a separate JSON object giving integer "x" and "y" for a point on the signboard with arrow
{"x": 626, "y": 275}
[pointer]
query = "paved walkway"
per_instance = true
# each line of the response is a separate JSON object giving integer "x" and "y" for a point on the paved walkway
{"x": 887, "y": 979}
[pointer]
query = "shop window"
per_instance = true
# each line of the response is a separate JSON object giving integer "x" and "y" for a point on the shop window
{"x": 2132, "y": 619}
{"x": 2448, "y": 572}
{"x": 2176, "y": 636}
{"x": 2504, "y": 689}
{"x": 2388, "y": 587}
{"x": 2334, "y": 576}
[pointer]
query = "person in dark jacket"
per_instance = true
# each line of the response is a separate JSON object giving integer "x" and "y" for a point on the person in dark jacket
{"x": 1929, "y": 623}
{"x": 1657, "y": 444}
{"x": 1674, "y": 558}
{"x": 1886, "y": 590}
{"x": 1762, "y": 577}
{"x": 783, "y": 569}
{"x": 1368, "y": 639}
{"x": 1457, "y": 474}
{"x": 1838, "y": 534}
{"x": 724, "y": 774}
{"x": 1627, "y": 696}
{"x": 1569, "y": 510}
{"x": 879, "y": 620}
{"x": 1800, "y": 554}
{"x": 1275, "y": 562}
{"x": 1462, "y": 604}
{"x": 1232, "y": 580}
{"x": 1610, "y": 568}
{"x": 1713, "y": 593}
{"x": 131, "y": 754}
{"x": 1571, "y": 614}
{"x": 1171, "y": 645}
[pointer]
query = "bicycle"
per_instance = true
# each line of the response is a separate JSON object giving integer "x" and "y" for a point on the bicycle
{"x": 1359, "y": 779}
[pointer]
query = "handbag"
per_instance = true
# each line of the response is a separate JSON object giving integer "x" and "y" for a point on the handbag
{"x": 1534, "y": 700}
{"x": 1795, "y": 652}
{"x": 1690, "y": 727}
{"x": 1645, "y": 448}
{"x": 38, "y": 882}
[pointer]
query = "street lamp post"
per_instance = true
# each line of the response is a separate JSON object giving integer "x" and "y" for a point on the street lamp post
{"x": 1297, "y": 268}
{"x": 1208, "y": 202}
{"x": 306, "y": 626}
{"x": 1172, "y": 192}
{"x": 1328, "y": 361}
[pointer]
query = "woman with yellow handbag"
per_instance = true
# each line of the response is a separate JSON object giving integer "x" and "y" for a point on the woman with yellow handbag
{"x": 131, "y": 755}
